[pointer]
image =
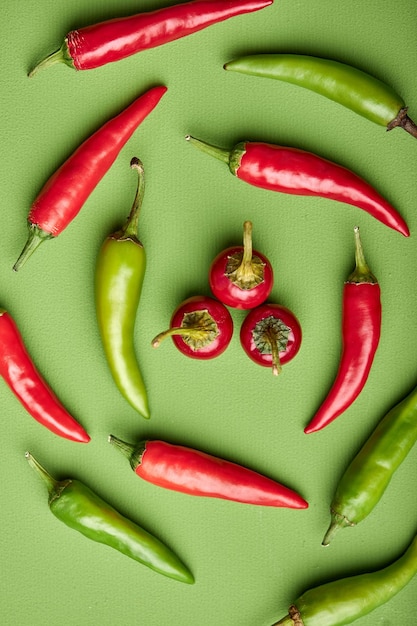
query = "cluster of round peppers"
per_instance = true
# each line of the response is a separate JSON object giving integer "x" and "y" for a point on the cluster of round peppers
{"x": 202, "y": 327}
{"x": 241, "y": 278}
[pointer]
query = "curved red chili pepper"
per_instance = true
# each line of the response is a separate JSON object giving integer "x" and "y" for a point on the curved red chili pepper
{"x": 19, "y": 372}
{"x": 197, "y": 473}
{"x": 295, "y": 171}
{"x": 64, "y": 194}
{"x": 106, "y": 42}
{"x": 361, "y": 329}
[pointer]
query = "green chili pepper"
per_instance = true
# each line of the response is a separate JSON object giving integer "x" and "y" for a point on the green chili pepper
{"x": 78, "y": 507}
{"x": 368, "y": 475}
{"x": 347, "y": 85}
{"x": 345, "y": 600}
{"x": 120, "y": 271}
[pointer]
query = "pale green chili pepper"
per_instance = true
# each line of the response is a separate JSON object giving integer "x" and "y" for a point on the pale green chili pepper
{"x": 120, "y": 271}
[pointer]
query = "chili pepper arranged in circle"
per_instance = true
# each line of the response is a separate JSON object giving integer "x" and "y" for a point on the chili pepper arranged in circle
{"x": 77, "y": 506}
{"x": 201, "y": 328}
{"x": 241, "y": 277}
{"x": 361, "y": 330}
{"x": 112, "y": 40}
{"x": 295, "y": 171}
{"x": 271, "y": 336}
{"x": 342, "y": 83}
{"x": 345, "y": 600}
{"x": 120, "y": 271}
{"x": 19, "y": 372}
{"x": 197, "y": 473}
{"x": 64, "y": 194}
{"x": 370, "y": 472}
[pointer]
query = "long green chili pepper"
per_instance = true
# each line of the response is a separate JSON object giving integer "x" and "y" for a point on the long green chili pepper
{"x": 120, "y": 271}
{"x": 368, "y": 475}
{"x": 347, "y": 85}
{"x": 345, "y": 600}
{"x": 78, "y": 507}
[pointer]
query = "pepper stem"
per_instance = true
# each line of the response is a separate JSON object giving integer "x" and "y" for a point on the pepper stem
{"x": 198, "y": 329}
{"x": 243, "y": 269}
{"x": 130, "y": 229}
{"x": 132, "y": 453}
{"x": 50, "y": 482}
{"x": 197, "y": 334}
{"x": 59, "y": 56}
{"x": 403, "y": 121}
{"x": 35, "y": 238}
{"x": 361, "y": 273}
{"x": 337, "y": 522}
{"x": 276, "y": 361}
{"x": 218, "y": 153}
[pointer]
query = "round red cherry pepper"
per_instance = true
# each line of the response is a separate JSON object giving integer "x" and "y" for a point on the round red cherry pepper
{"x": 201, "y": 328}
{"x": 241, "y": 277}
{"x": 271, "y": 336}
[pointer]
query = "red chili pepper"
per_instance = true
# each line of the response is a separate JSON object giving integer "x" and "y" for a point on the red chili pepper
{"x": 295, "y": 171}
{"x": 64, "y": 194}
{"x": 115, "y": 39}
{"x": 19, "y": 372}
{"x": 200, "y": 474}
{"x": 361, "y": 329}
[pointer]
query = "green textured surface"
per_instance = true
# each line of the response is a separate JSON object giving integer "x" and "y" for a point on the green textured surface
{"x": 250, "y": 563}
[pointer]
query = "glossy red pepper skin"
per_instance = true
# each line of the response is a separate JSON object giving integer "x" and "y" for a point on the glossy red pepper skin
{"x": 197, "y": 473}
{"x": 361, "y": 330}
{"x": 96, "y": 45}
{"x": 21, "y": 375}
{"x": 64, "y": 194}
{"x": 294, "y": 171}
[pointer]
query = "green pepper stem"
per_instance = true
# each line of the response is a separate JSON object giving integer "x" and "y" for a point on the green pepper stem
{"x": 338, "y": 521}
{"x": 35, "y": 238}
{"x": 50, "y": 482}
{"x": 361, "y": 273}
{"x": 130, "y": 229}
{"x": 59, "y": 56}
{"x": 218, "y": 153}
{"x": 403, "y": 121}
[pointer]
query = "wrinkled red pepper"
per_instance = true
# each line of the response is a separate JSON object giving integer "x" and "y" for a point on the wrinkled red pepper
{"x": 200, "y": 474}
{"x": 295, "y": 171}
{"x": 361, "y": 330}
{"x": 106, "y": 42}
{"x": 19, "y": 372}
{"x": 64, "y": 194}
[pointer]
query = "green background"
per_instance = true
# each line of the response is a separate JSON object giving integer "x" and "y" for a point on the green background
{"x": 250, "y": 563}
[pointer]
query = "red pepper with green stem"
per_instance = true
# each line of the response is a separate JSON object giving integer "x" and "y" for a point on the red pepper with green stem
{"x": 241, "y": 277}
{"x": 19, "y": 372}
{"x": 197, "y": 473}
{"x": 361, "y": 330}
{"x": 201, "y": 328}
{"x": 106, "y": 42}
{"x": 271, "y": 336}
{"x": 295, "y": 171}
{"x": 64, "y": 194}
